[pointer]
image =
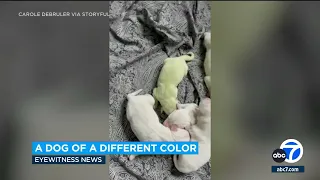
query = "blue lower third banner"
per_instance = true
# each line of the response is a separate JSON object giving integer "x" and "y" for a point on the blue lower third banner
{"x": 62, "y": 159}
{"x": 287, "y": 169}
{"x": 105, "y": 148}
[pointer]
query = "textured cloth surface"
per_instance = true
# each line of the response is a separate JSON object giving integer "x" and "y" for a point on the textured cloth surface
{"x": 142, "y": 35}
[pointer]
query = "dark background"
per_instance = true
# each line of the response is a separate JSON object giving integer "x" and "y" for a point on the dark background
{"x": 266, "y": 87}
{"x": 53, "y": 84}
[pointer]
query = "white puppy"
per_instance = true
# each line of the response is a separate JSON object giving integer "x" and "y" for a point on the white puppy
{"x": 145, "y": 122}
{"x": 207, "y": 60}
{"x": 181, "y": 118}
{"x": 200, "y": 132}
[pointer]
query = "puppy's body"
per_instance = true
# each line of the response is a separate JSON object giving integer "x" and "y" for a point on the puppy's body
{"x": 145, "y": 123}
{"x": 171, "y": 74}
{"x": 201, "y": 133}
{"x": 207, "y": 60}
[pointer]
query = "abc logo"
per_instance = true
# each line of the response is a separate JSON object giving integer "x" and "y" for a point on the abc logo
{"x": 290, "y": 151}
{"x": 279, "y": 155}
{"x": 293, "y": 149}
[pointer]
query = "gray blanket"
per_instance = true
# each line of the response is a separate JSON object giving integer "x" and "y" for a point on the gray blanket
{"x": 142, "y": 35}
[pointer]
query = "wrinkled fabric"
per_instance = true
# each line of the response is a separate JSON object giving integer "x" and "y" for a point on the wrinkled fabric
{"x": 142, "y": 35}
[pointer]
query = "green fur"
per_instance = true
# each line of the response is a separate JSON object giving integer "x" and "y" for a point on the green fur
{"x": 172, "y": 73}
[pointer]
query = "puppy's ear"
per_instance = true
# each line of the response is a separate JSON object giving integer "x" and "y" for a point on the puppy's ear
{"x": 174, "y": 127}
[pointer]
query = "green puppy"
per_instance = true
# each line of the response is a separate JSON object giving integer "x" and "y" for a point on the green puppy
{"x": 172, "y": 73}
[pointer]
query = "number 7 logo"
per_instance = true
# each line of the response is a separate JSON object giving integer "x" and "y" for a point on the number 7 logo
{"x": 293, "y": 149}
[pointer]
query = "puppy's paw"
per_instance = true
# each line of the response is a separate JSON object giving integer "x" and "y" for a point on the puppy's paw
{"x": 165, "y": 123}
{"x": 131, "y": 157}
{"x": 174, "y": 127}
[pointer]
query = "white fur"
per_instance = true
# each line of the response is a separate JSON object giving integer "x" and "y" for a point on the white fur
{"x": 145, "y": 122}
{"x": 200, "y": 132}
{"x": 207, "y": 60}
{"x": 183, "y": 117}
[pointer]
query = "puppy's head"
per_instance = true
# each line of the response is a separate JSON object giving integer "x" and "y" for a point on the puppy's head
{"x": 191, "y": 108}
{"x": 146, "y": 98}
{"x": 205, "y": 107}
{"x": 179, "y": 119}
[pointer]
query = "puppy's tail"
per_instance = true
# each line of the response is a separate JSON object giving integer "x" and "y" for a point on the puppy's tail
{"x": 134, "y": 93}
{"x": 178, "y": 165}
{"x": 189, "y": 56}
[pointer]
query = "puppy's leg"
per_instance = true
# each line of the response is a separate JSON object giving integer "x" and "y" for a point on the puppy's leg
{"x": 173, "y": 91}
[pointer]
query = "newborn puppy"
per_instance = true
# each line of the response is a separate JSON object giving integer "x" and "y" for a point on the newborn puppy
{"x": 181, "y": 118}
{"x": 201, "y": 133}
{"x": 145, "y": 123}
{"x": 207, "y": 60}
